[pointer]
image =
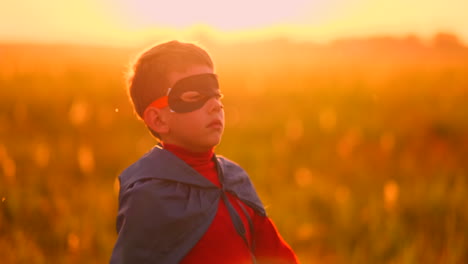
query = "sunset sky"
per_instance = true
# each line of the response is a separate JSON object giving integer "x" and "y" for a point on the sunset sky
{"x": 127, "y": 22}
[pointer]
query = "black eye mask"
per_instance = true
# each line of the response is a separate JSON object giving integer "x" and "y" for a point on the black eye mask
{"x": 191, "y": 93}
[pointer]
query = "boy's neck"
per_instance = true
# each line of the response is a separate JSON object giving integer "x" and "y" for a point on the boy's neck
{"x": 190, "y": 157}
{"x": 202, "y": 162}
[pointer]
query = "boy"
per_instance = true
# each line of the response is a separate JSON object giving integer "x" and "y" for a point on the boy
{"x": 180, "y": 203}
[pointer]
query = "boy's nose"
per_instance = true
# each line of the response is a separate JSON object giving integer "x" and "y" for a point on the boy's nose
{"x": 214, "y": 104}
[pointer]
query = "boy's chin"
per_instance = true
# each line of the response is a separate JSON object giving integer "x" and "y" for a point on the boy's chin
{"x": 212, "y": 143}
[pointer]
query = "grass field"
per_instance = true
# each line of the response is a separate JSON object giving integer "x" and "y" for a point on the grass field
{"x": 358, "y": 148}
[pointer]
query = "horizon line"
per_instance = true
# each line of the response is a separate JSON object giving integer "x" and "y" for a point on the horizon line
{"x": 201, "y": 33}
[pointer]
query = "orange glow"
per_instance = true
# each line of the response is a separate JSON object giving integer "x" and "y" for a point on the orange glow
{"x": 224, "y": 15}
{"x": 123, "y": 22}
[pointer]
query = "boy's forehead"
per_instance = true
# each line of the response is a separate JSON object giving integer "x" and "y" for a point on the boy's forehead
{"x": 174, "y": 76}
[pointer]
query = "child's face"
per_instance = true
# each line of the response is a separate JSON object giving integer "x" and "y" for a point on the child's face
{"x": 198, "y": 130}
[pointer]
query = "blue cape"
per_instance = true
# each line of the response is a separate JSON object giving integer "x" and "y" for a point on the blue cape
{"x": 165, "y": 206}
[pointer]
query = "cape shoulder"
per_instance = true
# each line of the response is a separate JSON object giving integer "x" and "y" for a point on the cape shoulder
{"x": 160, "y": 164}
{"x": 237, "y": 182}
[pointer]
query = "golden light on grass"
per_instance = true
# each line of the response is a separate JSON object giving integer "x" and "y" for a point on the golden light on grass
{"x": 387, "y": 142}
{"x": 327, "y": 119}
{"x": 9, "y": 169}
{"x": 20, "y": 112}
{"x": 85, "y": 158}
{"x": 73, "y": 242}
{"x": 116, "y": 186}
{"x": 105, "y": 116}
{"x": 294, "y": 129}
{"x": 79, "y": 113}
{"x": 390, "y": 194}
{"x": 8, "y": 165}
{"x": 42, "y": 155}
{"x": 306, "y": 231}
{"x": 342, "y": 195}
{"x": 303, "y": 177}
{"x": 348, "y": 142}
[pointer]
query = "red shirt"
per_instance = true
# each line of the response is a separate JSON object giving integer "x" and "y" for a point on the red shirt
{"x": 221, "y": 243}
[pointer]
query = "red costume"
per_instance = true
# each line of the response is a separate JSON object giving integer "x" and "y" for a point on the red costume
{"x": 221, "y": 243}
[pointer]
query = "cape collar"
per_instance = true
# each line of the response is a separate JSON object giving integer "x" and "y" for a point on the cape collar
{"x": 172, "y": 168}
{"x": 160, "y": 164}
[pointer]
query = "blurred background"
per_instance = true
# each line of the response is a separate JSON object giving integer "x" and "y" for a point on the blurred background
{"x": 351, "y": 118}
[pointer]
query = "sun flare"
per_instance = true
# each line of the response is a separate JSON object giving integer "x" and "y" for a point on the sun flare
{"x": 223, "y": 15}
{"x": 122, "y": 22}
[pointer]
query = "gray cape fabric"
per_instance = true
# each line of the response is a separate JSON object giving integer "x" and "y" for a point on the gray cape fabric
{"x": 165, "y": 206}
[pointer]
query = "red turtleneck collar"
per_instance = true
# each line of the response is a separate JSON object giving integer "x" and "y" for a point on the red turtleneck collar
{"x": 202, "y": 162}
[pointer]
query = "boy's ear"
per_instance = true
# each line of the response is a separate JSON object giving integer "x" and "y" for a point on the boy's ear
{"x": 156, "y": 119}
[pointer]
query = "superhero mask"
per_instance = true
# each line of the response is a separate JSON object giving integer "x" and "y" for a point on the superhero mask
{"x": 190, "y": 93}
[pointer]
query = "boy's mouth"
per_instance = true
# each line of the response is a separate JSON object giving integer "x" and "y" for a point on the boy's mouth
{"x": 215, "y": 124}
